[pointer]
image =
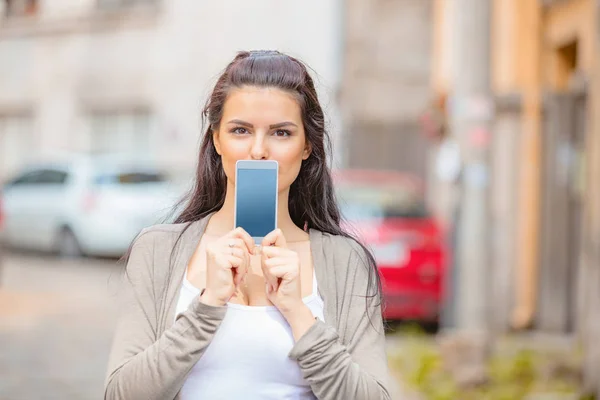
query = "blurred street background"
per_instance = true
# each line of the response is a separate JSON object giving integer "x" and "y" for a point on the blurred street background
{"x": 466, "y": 137}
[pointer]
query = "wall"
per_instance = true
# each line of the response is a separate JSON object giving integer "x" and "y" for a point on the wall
{"x": 589, "y": 283}
{"x": 386, "y": 82}
{"x": 74, "y": 60}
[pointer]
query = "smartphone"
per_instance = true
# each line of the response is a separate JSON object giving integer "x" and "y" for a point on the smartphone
{"x": 256, "y": 197}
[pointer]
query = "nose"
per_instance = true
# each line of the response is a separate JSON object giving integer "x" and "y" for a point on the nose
{"x": 259, "y": 148}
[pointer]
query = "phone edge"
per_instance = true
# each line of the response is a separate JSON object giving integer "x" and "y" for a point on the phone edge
{"x": 239, "y": 164}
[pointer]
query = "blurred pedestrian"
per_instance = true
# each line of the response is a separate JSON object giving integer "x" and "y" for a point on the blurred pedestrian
{"x": 200, "y": 317}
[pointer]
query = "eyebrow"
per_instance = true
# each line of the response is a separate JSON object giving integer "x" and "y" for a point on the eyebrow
{"x": 274, "y": 126}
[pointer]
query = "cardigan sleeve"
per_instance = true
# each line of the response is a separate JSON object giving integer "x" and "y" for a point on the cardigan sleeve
{"x": 142, "y": 365}
{"x": 356, "y": 368}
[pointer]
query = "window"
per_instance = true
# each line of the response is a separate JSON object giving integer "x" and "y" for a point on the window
{"x": 118, "y": 4}
{"x": 21, "y": 8}
{"x": 26, "y": 179}
{"x": 52, "y": 177}
{"x": 41, "y": 177}
{"x": 132, "y": 178}
{"x": 125, "y": 132}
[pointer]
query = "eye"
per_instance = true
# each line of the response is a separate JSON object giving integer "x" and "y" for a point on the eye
{"x": 239, "y": 130}
{"x": 282, "y": 133}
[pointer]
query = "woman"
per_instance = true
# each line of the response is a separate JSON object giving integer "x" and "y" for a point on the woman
{"x": 206, "y": 314}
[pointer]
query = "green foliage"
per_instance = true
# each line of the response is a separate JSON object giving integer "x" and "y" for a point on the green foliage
{"x": 513, "y": 375}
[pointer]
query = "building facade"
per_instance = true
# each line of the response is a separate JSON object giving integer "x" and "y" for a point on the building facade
{"x": 385, "y": 85}
{"x": 132, "y": 75}
{"x": 544, "y": 166}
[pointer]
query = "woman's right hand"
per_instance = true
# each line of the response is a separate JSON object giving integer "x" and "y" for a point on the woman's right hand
{"x": 227, "y": 263}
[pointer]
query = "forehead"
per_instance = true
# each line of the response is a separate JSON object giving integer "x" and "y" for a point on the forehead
{"x": 261, "y": 105}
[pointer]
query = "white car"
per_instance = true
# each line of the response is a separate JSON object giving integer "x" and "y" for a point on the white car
{"x": 84, "y": 205}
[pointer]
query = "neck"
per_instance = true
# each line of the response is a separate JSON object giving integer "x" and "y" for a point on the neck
{"x": 222, "y": 221}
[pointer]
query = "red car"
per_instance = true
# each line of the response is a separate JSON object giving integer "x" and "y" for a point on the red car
{"x": 387, "y": 211}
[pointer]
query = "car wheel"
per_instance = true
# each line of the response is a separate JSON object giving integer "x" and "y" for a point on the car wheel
{"x": 67, "y": 245}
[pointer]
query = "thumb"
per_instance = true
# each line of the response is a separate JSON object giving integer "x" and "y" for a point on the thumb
{"x": 275, "y": 238}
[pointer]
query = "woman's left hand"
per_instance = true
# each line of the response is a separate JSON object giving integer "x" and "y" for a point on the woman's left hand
{"x": 281, "y": 269}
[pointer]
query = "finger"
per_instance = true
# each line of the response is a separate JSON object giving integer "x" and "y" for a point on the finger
{"x": 272, "y": 251}
{"x": 237, "y": 269}
{"x": 275, "y": 262}
{"x": 231, "y": 240}
{"x": 283, "y": 272}
{"x": 235, "y": 251}
{"x": 244, "y": 268}
{"x": 275, "y": 238}
{"x": 240, "y": 233}
{"x": 235, "y": 242}
{"x": 237, "y": 278}
{"x": 234, "y": 262}
{"x": 270, "y": 279}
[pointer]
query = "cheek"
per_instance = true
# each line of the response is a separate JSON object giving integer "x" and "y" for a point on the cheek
{"x": 235, "y": 149}
{"x": 231, "y": 152}
{"x": 289, "y": 167}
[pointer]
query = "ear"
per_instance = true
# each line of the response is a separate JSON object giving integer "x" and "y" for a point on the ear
{"x": 216, "y": 141}
{"x": 307, "y": 151}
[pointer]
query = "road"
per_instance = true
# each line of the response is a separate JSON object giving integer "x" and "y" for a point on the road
{"x": 56, "y": 324}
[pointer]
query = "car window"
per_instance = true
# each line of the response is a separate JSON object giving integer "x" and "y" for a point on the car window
{"x": 52, "y": 177}
{"x": 359, "y": 202}
{"x": 27, "y": 178}
{"x": 131, "y": 178}
{"x": 40, "y": 177}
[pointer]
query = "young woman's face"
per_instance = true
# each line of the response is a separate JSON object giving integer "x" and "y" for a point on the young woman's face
{"x": 262, "y": 124}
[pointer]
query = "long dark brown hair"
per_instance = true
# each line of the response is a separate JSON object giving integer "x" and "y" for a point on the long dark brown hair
{"x": 312, "y": 202}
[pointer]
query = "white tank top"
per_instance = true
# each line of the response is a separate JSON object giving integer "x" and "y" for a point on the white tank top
{"x": 248, "y": 356}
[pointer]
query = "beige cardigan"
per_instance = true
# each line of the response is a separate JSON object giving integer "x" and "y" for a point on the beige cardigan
{"x": 343, "y": 358}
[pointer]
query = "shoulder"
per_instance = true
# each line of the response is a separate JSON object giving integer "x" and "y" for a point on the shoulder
{"x": 159, "y": 234}
{"x": 351, "y": 267}
{"x": 156, "y": 244}
{"x": 164, "y": 229}
{"x": 150, "y": 255}
{"x": 341, "y": 244}
{"x": 343, "y": 252}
